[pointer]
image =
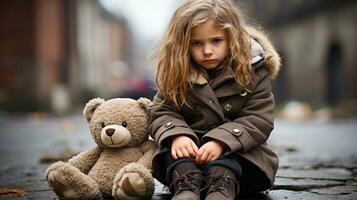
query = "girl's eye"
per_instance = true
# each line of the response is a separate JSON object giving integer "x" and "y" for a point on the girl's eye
{"x": 124, "y": 124}
{"x": 217, "y": 40}
{"x": 195, "y": 43}
{"x": 103, "y": 125}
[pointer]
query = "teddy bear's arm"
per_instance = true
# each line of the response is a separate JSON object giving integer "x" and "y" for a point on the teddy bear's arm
{"x": 85, "y": 160}
{"x": 149, "y": 148}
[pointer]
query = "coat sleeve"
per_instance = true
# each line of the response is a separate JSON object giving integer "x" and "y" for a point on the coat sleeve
{"x": 255, "y": 122}
{"x": 165, "y": 122}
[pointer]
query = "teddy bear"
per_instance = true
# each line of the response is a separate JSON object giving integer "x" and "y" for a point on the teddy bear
{"x": 119, "y": 165}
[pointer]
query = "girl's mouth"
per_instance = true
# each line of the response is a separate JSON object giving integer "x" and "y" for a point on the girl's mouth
{"x": 210, "y": 61}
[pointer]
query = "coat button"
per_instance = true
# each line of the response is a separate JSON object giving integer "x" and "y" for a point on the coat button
{"x": 168, "y": 124}
{"x": 243, "y": 93}
{"x": 236, "y": 130}
{"x": 227, "y": 107}
{"x": 210, "y": 101}
{"x": 198, "y": 108}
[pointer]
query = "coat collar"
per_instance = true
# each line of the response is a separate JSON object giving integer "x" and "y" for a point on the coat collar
{"x": 198, "y": 78}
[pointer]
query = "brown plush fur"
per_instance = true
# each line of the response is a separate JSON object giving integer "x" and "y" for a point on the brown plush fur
{"x": 123, "y": 151}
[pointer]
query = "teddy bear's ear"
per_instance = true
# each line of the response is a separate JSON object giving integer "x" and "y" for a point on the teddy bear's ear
{"x": 144, "y": 103}
{"x": 90, "y": 107}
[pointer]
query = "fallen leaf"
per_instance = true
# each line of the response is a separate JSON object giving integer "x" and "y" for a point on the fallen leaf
{"x": 48, "y": 159}
{"x": 65, "y": 155}
{"x": 12, "y": 192}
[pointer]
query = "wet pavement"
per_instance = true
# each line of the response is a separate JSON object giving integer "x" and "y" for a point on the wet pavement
{"x": 318, "y": 159}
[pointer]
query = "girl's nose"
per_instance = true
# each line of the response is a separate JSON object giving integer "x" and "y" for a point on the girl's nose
{"x": 207, "y": 50}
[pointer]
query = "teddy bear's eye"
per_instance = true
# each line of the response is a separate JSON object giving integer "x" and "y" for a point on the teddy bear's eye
{"x": 124, "y": 124}
{"x": 103, "y": 125}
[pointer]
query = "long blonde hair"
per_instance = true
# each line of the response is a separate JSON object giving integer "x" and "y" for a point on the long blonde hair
{"x": 174, "y": 60}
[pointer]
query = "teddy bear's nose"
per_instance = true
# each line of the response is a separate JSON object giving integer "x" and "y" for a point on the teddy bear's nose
{"x": 110, "y": 131}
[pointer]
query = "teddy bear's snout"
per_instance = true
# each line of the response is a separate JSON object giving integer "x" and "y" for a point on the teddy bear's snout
{"x": 115, "y": 135}
{"x": 110, "y": 131}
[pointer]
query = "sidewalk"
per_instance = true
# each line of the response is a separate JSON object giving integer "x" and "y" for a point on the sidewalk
{"x": 318, "y": 160}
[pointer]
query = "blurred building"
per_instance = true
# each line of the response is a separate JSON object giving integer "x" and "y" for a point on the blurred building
{"x": 317, "y": 42}
{"x": 57, "y": 53}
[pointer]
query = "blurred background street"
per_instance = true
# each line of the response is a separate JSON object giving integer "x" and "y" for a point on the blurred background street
{"x": 55, "y": 55}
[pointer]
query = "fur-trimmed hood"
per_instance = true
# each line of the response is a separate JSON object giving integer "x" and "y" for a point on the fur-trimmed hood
{"x": 271, "y": 57}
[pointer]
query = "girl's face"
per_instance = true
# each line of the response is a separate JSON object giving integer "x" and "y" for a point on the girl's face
{"x": 208, "y": 45}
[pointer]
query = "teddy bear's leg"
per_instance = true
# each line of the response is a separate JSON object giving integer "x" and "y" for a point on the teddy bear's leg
{"x": 70, "y": 183}
{"x": 133, "y": 182}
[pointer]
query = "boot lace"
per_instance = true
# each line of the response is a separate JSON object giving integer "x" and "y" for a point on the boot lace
{"x": 191, "y": 181}
{"x": 219, "y": 183}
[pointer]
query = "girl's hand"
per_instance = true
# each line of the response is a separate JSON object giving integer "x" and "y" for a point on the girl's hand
{"x": 209, "y": 152}
{"x": 183, "y": 147}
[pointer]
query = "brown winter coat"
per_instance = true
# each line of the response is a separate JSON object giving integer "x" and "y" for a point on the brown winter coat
{"x": 220, "y": 110}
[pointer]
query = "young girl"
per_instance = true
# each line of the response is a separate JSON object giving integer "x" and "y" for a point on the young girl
{"x": 213, "y": 112}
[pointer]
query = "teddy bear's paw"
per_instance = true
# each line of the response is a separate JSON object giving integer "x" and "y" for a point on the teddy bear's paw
{"x": 60, "y": 185}
{"x": 131, "y": 186}
{"x": 53, "y": 167}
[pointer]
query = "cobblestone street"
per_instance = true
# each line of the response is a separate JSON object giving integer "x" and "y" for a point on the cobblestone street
{"x": 318, "y": 160}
